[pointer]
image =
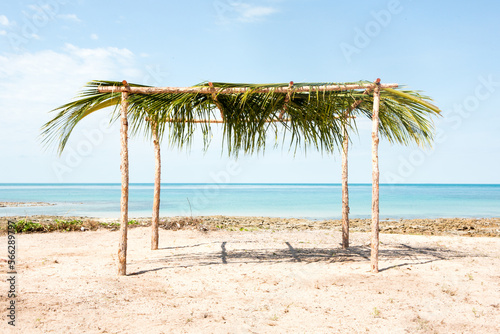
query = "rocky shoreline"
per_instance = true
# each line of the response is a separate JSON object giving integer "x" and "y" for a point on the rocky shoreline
{"x": 479, "y": 227}
{"x": 22, "y": 204}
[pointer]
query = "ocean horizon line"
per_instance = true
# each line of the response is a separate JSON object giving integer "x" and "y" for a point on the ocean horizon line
{"x": 245, "y": 183}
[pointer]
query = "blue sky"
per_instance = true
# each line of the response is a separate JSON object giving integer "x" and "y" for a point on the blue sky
{"x": 50, "y": 48}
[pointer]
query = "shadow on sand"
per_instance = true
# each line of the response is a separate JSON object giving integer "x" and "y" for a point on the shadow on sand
{"x": 289, "y": 253}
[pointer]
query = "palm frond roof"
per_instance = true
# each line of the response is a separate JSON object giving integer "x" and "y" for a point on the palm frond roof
{"x": 306, "y": 113}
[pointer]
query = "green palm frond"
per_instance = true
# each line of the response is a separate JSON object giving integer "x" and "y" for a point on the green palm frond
{"x": 313, "y": 118}
{"x": 69, "y": 115}
{"x": 405, "y": 116}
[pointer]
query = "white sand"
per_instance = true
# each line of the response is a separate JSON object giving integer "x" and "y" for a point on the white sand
{"x": 254, "y": 282}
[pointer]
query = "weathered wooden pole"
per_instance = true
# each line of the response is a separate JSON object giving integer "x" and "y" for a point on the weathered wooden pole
{"x": 122, "y": 246}
{"x": 375, "y": 180}
{"x": 157, "y": 188}
{"x": 345, "y": 184}
{"x": 345, "y": 191}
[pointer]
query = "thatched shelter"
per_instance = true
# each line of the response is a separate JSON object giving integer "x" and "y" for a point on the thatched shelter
{"x": 317, "y": 115}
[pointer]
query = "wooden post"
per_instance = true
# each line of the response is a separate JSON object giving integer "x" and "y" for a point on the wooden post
{"x": 287, "y": 99}
{"x": 122, "y": 246}
{"x": 345, "y": 185}
{"x": 345, "y": 191}
{"x": 217, "y": 104}
{"x": 156, "y": 200}
{"x": 375, "y": 180}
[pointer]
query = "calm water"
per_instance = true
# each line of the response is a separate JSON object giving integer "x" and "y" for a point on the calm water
{"x": 280, "y": 200}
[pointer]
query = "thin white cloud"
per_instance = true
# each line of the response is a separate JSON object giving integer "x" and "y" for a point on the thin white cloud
{"x": 69, "y": 17}
{"x": 4, "y": 20}
{"x": 3, "y": 32}
{"x": 94, "y": 36}
{"x": 249, "y": 13}
{"x": 228, "y": 12}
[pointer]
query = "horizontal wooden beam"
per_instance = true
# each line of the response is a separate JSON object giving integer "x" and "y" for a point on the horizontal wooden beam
{"x": 219, "y": 121}
{"x": 210, "y": 90}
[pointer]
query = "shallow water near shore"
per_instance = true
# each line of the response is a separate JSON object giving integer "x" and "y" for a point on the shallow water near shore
{"x": 314, "y": 201}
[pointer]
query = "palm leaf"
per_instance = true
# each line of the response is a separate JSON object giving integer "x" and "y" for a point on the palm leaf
{"x": 311, "y": 119}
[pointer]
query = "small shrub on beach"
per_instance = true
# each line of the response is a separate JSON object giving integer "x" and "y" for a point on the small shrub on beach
{"x": 24, "y": 226}
{"x": 184, "y": 223}
{"x": 90, "y": 224}
{"x": 28, "y": 226}
{"x": 68, "y": 225}
{"x": 110, "y": 224}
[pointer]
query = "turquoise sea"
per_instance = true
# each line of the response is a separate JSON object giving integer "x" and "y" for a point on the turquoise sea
{"x": 316, "y": 201}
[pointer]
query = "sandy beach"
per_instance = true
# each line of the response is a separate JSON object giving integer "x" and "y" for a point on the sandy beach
{"x": 254, "y": 281}
{"x": 310, "y": 167}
